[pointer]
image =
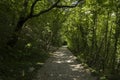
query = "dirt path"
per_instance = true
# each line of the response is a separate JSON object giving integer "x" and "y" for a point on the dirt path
{"x": 63, "y": 66}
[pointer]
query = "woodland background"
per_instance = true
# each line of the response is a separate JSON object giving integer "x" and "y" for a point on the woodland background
{"x": 30, "y": 28}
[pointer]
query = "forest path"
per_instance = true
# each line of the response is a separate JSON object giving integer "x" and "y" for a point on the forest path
{"x": 62, "y": 65}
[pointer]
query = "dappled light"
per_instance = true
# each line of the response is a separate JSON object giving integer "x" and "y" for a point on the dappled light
{"x": 62, "y": 65}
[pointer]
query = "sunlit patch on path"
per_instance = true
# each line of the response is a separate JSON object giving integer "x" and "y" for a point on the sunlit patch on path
{"x": 63, "y": 66}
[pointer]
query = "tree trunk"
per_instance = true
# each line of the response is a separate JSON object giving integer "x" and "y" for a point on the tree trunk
{"x": 14, "y": 38}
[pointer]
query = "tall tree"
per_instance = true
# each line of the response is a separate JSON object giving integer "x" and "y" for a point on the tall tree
{"x": 22, "y": 19}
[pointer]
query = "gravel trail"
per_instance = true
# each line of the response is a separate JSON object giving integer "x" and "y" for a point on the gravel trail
{"x": 62, "y": 65}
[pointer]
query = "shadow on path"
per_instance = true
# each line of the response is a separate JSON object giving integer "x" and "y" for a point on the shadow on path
{"x": 62, "y": 65}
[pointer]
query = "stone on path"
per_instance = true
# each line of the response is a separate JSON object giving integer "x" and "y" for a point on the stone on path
{"x": 62, "y": 65}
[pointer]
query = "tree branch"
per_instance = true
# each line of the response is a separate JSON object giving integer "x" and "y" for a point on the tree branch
{"x": 55, "y": 5}
{"x": 32, "y": 7}
{"x": 47, "y": 10}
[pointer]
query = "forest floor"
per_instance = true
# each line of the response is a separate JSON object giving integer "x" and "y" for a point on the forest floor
{"x": 62, "y": 65}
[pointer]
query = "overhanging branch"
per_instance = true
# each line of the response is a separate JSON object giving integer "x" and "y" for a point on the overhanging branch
{"x": 47, "y": 10}
{"x": 56, "y": 5}
{"x": 32, "y": 7}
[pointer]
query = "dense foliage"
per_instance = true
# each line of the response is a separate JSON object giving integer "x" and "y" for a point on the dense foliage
{"x": 93, "y": 34}
{"x": 30, "y": 28}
